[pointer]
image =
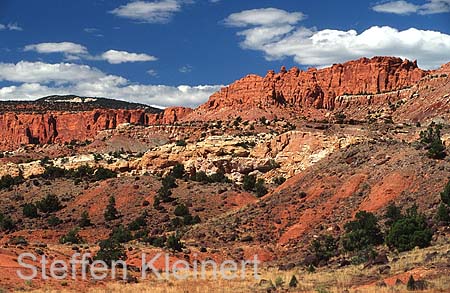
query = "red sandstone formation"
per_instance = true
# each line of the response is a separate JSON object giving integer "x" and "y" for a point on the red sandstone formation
{"x": 17, "y": 129}
{"x": 316, "y": 88}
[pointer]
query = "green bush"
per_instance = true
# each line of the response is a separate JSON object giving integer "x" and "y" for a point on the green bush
{"x": 54, "y": 221}
{"x": 30, "y": 210}
{"x": 138, "y": 223}
{"x": 7, "y": 181}
{"x": 279, "y": 180}
{"x": 324, "y": 248}
{"x": 111, "y": 250}
{"x": 393, "y": 214}
{"x": 431, "y": 140}
{"x": 169, "y": 182}
{"x": 6, "y": 223}
{"x": 178, "y": 171}
{"x": 249, "y": 182}
{"x": 103, "y": 174}
{"x": 173, "y": 242}
{"x": 164, "y": 195}
{"x": 85, "y": 221}
{"x": 71, "y": 237}
{"x": 181, "y": 210}
{"x": 410, "y": 231}
{"x": 181, "y": 143}
{"x": 201, "y": 176}
{"x": 362, "y": 233}
{"x": 260, "y": 188}
{"x": 294, "y": 282}
{"x": 120, "y": 234}
{"x": 445, "y": 195}
{"x": 111, "y": 212}
{"x": 49, "y": 204}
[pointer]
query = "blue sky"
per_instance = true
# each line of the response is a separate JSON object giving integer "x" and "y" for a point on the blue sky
{"x": 178, "y": 52}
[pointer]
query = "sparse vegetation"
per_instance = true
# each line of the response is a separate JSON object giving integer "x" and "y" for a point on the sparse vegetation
{"x": 71, "y": 237}
{"x": 85, "y": 221}
{"x": 432, "y": 142}
{"x": 111, "y": 213}
{"x": 409, "y": 231}
{"x": 49, "y": 204}
{"x": 362, "y": 233}
{"x": 30, "y": 210}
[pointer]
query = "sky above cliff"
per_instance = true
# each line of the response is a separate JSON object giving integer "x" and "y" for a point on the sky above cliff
{"x": 178, "y": 52}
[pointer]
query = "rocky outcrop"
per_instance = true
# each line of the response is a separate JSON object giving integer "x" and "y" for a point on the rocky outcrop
{"x": 316, "y": 88}
{"x": 18, "y": 129}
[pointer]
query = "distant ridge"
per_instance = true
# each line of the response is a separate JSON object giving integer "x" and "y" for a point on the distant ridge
{"x": 72, "y": 103}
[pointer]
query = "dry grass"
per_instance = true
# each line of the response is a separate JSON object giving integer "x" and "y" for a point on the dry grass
{"x": 348, "y": 279}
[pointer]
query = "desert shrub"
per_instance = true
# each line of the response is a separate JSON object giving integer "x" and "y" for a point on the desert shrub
{"x": 49, "y": 204}
{"x": 164, "y": 195}
{"x": 260, "y": 188}
{"x": 279, "y": 180}
{"x": 181, "y": 143}
{"x": 138, "y": 223}
{"x": 85, "y": 221}
{"x": 249, "y": 182}
{"x": 279, "y": 282}
{"x": 293, "y": 283}
{"x": 393, "y": 214}
{"x": 120, "y": 234}
{"x": 409, "y": 231}
{"x": 169, "y": 182}
{"x": 173, "y": 242}
{"x": 324, "y": 248}
{"x": 103, "y": 174}
{"x": 7, "y": 181}
{"x": 431, "y": 140}
{"x": 201, "y": 176}
{"x": 443, "y": 213}
{"x": 71, "y": 237}
{"x": 54, "y": 221}
{"x": 181, "y": 210}
{"x": 218, "y": 177}
{"x": 52, "y": 172}
{"x": 178, "y": 171}
{"x": 111, "y": 213}
{"x": 445, "y": 195}
{"x": 111, "y": 250}
{"x": 30, "y": 210}
{"x": 6, "y": 223}
{"x": 362, "y": 233}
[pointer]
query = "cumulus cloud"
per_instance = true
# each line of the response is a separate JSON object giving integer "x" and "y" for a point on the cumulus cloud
{"x": 263, "y": 17}
{"x": 279, "y": 39}
{"x": 10, "y": 26}
{"x": 117, "y": 57}
{"x": 63, "y": 47}
{"x": 149, "y": 12}
{"x": 74, "y": 51}
{"x": 37, "y": 79}
{"x": 403, "y": 7}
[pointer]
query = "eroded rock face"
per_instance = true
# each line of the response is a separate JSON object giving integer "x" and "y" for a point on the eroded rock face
{"x": 317, "y": 88}
{"x": 18, "y": 129}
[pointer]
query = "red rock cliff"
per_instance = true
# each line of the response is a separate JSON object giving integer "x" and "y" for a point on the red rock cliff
{"x": 17, "y": 129}
{"x": 317, "y": 88}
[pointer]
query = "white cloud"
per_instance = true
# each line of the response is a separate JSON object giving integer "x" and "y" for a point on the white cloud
{"x": 10, "y": 26}
{"x": 152, "y": 72}
{"x": 63, "y": 47}
{"x": 117, "y": 57}
{"x": 185, "y": 69}
{"x": 39, "y": 79}
{"x": 263, "y": 17}
{"x": 74, "y": 51}
{"x": 149, "y": 12}
{"x": 397, "y": 7}
{"x": 39, "y": 72}
{"x": 404, "y": 7}
{"x": 277, "y": 40}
